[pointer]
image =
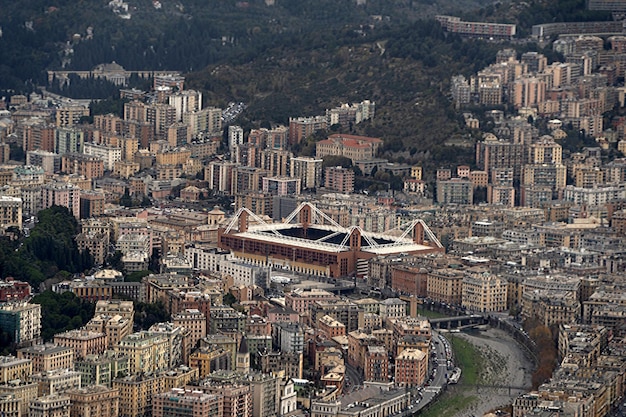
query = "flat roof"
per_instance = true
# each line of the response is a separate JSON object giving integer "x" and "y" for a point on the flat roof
{"x": 328, "y": 238}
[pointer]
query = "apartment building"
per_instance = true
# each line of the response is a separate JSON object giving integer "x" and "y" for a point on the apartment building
{"x": 194, "y": 321}
{"x": 455, "y": 191}
{"x": 23, "y": 391}
{"x": 50, "y": 406}
{"x": 70, "y": 116}
{"x": 10, "y": 212}
{"x": 187, "y": 403}
{"x": 308, "y": 169}
{"x": 58, "y": 381}
{"x": 484, "y": 292}
{"x": 411, "y": 368}
{"x": 108, "y": 154}
{"x": 12, "y": 368}
{"x": 339, "y": 179}
{"x": 147, "y": 352}
{"x": 83, "y": 342}
{"x": 48, "y": 357}
{"x": 61, "y": 194}
{"x": 136, "y": 393}
{"x": 445, "y": 286}
{"x": 95, "y": 400}
{"x": 22, "y": 321}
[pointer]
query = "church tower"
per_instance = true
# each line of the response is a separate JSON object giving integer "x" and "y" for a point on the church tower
{"x": 243, "y": 357}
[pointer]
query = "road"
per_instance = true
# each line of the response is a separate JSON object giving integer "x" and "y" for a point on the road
{"x": 430, "y": 392}
{"x": 355, "y": 378}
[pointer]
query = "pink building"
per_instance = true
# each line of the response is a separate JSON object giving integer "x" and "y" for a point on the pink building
{"x": 61, "y": 194}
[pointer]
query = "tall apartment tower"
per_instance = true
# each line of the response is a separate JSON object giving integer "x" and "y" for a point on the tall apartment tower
{"x": 185, "y": 101}
{"x": 308, "y": 169}
{"x": 235, "y": 137}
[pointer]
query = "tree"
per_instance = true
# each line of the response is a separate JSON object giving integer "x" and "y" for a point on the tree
{"x": 334, "y": 161}
{"x": 115, "y": 261}
{"x": 62, "y": 312}
{"x": 229, "y": 299}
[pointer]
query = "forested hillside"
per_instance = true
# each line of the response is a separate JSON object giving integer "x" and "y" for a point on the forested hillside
{"x": 294, "y": 58}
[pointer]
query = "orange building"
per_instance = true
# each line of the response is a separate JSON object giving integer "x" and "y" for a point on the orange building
{"x": 411, "y": 368}
{"x": 330, "y": 327}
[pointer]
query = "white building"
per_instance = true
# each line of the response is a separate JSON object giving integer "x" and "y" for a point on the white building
{"x": 109, "y": 154}
{"x": 594, "y": 196}
{"x": 308, "y": 169}
{"x": 235, "y": 137}
{"x": 206, "y": 258}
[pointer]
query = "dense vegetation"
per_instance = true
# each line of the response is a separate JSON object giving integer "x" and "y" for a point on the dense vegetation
{"x": 147, "y": 314}
{"x": 62, "y": 312}
{"x": 49, "y": 250}
{"x": 292, "y": 59}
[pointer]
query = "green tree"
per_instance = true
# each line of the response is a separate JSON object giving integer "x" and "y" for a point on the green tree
{"x": 62, "y": 312}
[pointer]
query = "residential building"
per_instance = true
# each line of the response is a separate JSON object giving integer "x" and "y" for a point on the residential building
{"x": 10, "y": 406}
{"x": 102, "y": 369}
{"x": 50, "y": 406}
{"x": 147, "y": 352}
{"x": 187, "y": 403}
{"x": 48, "y": 357}
{"x": 445, "y": 286}
{"x": 70, "y": 116}
{"x": 83, "y": 342}
{"x": 61, "y": 194}
{"x": 484, "y": 292}
{"x": 308, "y": 169}
{"x": 194, "y": 321}
{"x": 23, "y": 391}
{"x": 95, "y": 400}
{"x": 56, "y": 382}
{"x": 108, "y": 154}
{"x": 136, "y": 393}
{"x": 411, "y": 368}
{"x": 10, "y": 212}
{"x": 339, "y": 179}
{"x": 302, "y": 127}
{"x": 22, "y": 321}
{"x": 12, "y": 368}
{"x": 372, "y": 400}
{"x": 476, "y": 29}
{"x": 455, "y": 191}
{"x": 281, "y": 185}
{"x": 237, "y": 397}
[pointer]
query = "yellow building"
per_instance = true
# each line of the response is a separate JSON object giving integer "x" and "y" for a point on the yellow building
{"x": 416, "y": 172}
{"x": 136, "y": 392}
{"x": 70, "y": 116}
{"x": 179, "y": 377}
{"x": 9, "y": 406}
{"x": 95, "y": 400}
{"x": 83, "y": 342}
{"x": 207, "y": 360}
{"x": 146, "y": 352}
{"x": 113, "y": 318}
{"x": 13, "y": 368}
{"x": 484, "y": 292}
{"x": 23, "y": 391}
{"x": 444, "y": 286}
{"x": 176, "y": 157}
{"x": 50, "y": 406}
{"x": 48, "y": 357}
{"x": 56, "y": 382}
